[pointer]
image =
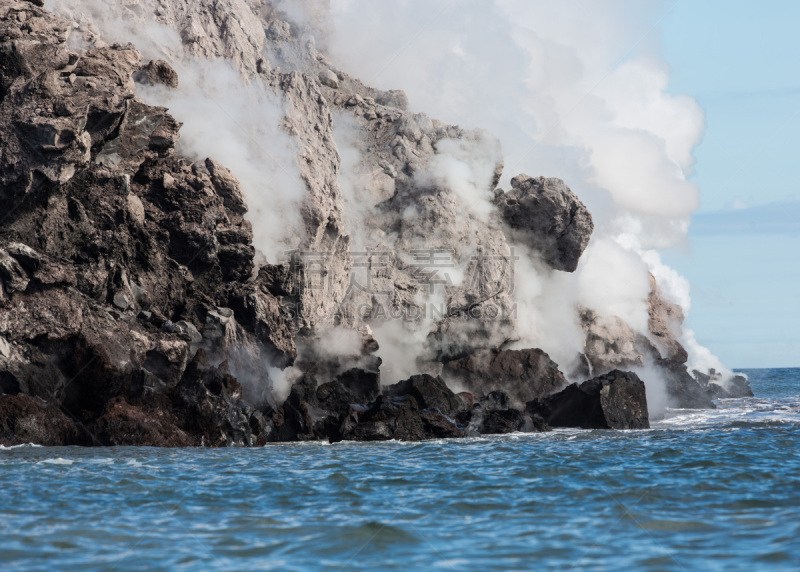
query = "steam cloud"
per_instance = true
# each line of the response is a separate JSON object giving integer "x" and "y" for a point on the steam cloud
{"x": 574, "y": 90}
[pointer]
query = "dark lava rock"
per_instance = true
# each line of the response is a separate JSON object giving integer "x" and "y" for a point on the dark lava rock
{"x": 549, "y": 217}
{"x": 616, "y": 400}
{"x": 398, "y": 417}
{"x": 26, "y": 419}
{"x": 429, "y": 392}
{"x": 502, "y": 421}
{"x": 207, "y": 400}
{"x": 132, "y": 425}
{"x": 523, "y": 374}
{"x": 683, "y": 390}
{"x": 352, "y": 407}
{"x": 718, "y": 388}
{"x": 104, "y": 221}
{"x": 315, "y": 411}
{"x": 493, "y": 415}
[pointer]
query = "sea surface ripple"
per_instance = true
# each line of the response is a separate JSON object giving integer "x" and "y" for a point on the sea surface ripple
{"x": 711, "y": 490}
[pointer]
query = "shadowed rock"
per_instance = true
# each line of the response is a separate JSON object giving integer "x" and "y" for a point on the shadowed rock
{"x": 549, "y": 217}
{"x": 616, "y": 400}
{"x": 719, "y": 388}
{"x": 523, "y": 374}
{"x": 26, "y": 419}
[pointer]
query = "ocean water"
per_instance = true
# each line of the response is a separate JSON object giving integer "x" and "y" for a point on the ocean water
{"x": 709, "y": 490}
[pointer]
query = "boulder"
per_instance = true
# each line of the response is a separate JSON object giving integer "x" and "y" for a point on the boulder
{"x": 398, "y": 417}
{"x": 718, "y": 387}
{"x": 616, "y": 400}
{"x": 429, "y": 392}
{"x": 315, "y": 410}
{"x": 157, "y": 72}
{"x": 549, "y": 217}
{"x": 522, "y": 374}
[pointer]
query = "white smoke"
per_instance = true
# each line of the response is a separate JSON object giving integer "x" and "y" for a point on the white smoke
{"x": 237, "y": 124}
{"x": 226, "y": 117}
{"x": 465, "y": 167}
{"x": 573, "y": 89}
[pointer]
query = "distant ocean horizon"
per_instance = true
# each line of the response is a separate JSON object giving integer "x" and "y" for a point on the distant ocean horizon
{"x": 708, "y": 489}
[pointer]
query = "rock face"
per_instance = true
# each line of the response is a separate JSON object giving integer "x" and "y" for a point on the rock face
{"x": 616, "y": 400}
{"x": 118, "y": 258}
{"x": 549, "y": 217}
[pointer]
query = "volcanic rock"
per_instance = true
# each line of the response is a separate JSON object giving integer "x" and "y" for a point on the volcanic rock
{"x": 718, "y": 387}
{"x": 523, "y": 374}
{"x": 26, "y": 419}
{"x": 549, "y": 217}
{"x": 429, "y": 392}
{"x": 616, "y": 400}
{"x": 157, "y": 72}
{"x": 396, "y": 418}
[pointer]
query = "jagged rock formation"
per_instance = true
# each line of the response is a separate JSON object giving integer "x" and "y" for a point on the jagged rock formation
{"x": 718, "y": 387}
{"x": 133, "y": 307}
{"x": 616, "y": 400}
{"x": 613, "y": 344}
{"x": 549, "y": 217}
{"x": 116, "y": 253}
{"x": 522, "y": 375}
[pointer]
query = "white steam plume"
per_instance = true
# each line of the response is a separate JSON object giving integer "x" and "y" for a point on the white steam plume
{"x": 573, "y": 89}
{"x": 224, "y": 116}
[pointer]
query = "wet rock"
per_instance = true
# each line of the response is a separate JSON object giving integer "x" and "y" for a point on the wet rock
{"x": 493, "y": 415}
{"x": 315, "y": 410}
{"x": 398, "y": 417}
{"x": 616, "y": 400}
{"x": 26, "y": 419}
{"x": 496, "y": 421}
{"x": 207, "y": 400}
{"x": 124, "y": 424}
{"x": 683, "y": 390}
{"x": 429, "y": 393}
{"x": 549, "y": 217}
{"x": 522, "y": 374}
{"x": 717, "y": 387}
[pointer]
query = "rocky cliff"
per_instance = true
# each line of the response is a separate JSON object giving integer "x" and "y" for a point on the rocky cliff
{"x": 135, "y": 309}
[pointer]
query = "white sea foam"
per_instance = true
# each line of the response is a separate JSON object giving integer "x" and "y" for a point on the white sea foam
{"x": 56, "y": 461}
{"x": 21, "y": 446}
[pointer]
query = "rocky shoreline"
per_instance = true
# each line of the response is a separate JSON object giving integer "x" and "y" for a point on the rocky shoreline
{"x": 134, "y": 309}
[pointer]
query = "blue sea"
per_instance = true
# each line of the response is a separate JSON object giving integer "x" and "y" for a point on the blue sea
{"x": 701, "y": 490}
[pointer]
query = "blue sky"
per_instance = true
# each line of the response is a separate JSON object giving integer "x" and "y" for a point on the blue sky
{"x": 741, "y": 61}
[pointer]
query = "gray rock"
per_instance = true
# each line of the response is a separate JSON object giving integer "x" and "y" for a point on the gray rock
{"x": 157, "y": 72}
{"x": 189, "y": 330}
{"x": 327, "y": 77}
{"x": 121, "y": 301}
{"x": 549, "y": 217}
